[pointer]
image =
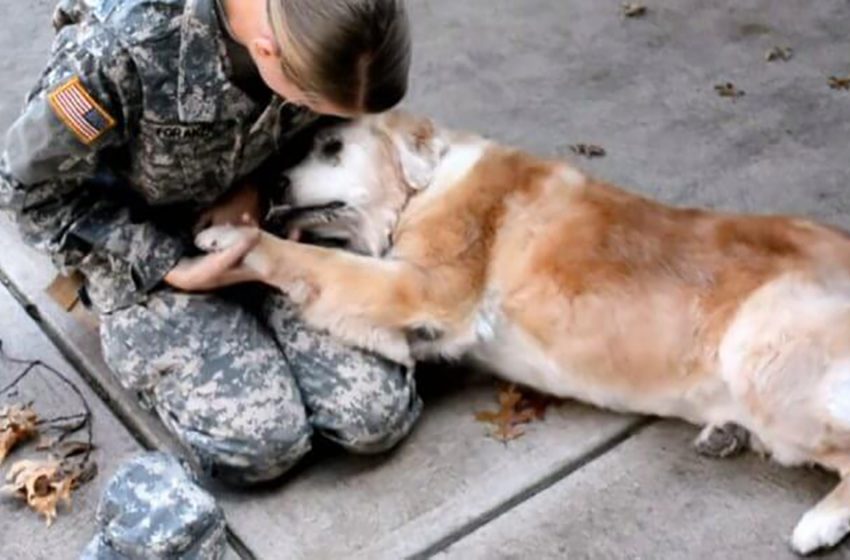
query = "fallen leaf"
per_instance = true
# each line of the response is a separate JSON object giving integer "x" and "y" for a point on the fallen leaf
{"x": 17, "y": 425}
{"x": 44, "y": 484}
{"x": 728, "y": 89}
{"x": 779, "y": 53}
{"x": 515, "y": 409}
{"x": 46, "y": 442}
{"x": 82, "y": 472}
{"x": 839, "y": 83}
{"x": 588, "y": 150}
{"x": 633, "y": 9}
{"x": 68, "y": 449}
{"x": 75, "y": 461}
{"x": 65, "y": 426}
{"x": 40, "y": 485}
{"x": 537, "y": 403}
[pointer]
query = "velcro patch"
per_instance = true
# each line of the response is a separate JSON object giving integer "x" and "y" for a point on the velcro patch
{"x": 79, "y": 111}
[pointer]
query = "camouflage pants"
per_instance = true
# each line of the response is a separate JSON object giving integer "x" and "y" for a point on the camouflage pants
{"x": 246, "y": 385}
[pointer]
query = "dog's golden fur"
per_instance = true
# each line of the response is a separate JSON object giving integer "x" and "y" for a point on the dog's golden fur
{"x": 578, "y": 288}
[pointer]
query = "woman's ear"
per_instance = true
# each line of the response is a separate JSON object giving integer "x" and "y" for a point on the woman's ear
{"x": 264, "y": 48}
{"x": 418, "y": 145}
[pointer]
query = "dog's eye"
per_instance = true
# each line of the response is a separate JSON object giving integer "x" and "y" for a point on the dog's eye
{"x": 331, "y": 148}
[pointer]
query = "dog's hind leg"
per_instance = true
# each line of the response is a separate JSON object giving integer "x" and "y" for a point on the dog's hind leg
{"x": 722, "y": 440}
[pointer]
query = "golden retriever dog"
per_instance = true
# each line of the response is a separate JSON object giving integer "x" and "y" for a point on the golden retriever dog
{"x": 463, "y": 248}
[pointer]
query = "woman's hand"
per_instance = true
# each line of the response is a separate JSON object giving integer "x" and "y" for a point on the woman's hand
{"x": 218, "y": 270}
{"x": 215, "y": 270}
{"x": 241, "y": 207}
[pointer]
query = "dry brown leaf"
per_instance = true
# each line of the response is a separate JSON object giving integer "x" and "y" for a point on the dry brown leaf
{"x": 75, "y": 461}
{"x": 46, "y": 442}
{"x": 81, "y": 472}
{"x": 39, "y": 484}
{"x": 779, "y": 53}
{"x": 515, "y": 409}
{"x": 633, "y": 9}
{"x": 836, "y": 82}
{"x": 67, "y": 449}
{"x": 537, "y": 403}
{"x": 17, "y": 424}
{"x": 588, "y": 150}
{"x": 728, "y": 89}
{"x": 44, "y": 484}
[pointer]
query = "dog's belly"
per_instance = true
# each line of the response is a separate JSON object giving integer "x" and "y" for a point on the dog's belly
{"x": 516, "y": 356}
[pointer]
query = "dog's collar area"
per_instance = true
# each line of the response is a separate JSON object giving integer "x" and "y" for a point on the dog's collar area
{"x": 282, "y": 216}
{"x": 288, "y": 211}
{"x": 445, "y": 148}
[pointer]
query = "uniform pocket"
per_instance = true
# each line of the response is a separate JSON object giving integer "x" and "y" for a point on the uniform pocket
{"x": 177, "y": 162}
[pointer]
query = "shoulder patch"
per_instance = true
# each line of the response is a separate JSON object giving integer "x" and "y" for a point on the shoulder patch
{"x": 79, "y": 111}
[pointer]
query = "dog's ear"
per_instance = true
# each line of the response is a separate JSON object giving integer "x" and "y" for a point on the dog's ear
{"x": 418, "y": 145}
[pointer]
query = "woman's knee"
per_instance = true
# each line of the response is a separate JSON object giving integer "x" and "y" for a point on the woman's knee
{"x": 247, "y": 425}
{"x": 216, "y": 378}
{"x": 375, "y": 421}
{"x": 242, "y": 459}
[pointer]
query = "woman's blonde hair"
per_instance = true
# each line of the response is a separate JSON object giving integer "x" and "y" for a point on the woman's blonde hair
{"x": 353, "y": 53}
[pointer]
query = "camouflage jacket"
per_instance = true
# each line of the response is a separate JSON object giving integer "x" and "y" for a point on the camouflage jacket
{"x": 134, "y": 116}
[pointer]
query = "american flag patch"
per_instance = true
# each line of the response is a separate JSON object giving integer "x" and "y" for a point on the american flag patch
{"x": 79, "y": 111}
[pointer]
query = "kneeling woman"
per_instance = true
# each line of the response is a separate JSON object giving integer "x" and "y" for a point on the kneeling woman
{"x": 149, "y": 110}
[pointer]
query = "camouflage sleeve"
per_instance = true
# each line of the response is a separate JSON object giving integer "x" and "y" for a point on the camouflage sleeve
{"x": 75, "y": 118}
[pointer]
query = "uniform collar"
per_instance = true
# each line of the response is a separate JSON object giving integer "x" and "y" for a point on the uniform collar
{"x": 222, "y": 18}
{"x": 202, "y": 85}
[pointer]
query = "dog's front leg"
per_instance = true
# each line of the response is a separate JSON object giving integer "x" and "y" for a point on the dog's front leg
{"x": 364, "y": 301}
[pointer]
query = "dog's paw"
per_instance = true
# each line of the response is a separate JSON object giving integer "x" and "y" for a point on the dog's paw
{"x": 722, "y": 440}
{"x": 219, "y": 238}
{"x": 819, "y": 529}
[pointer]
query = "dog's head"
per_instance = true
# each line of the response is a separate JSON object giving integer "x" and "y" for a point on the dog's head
{"x": 359, "y": 176}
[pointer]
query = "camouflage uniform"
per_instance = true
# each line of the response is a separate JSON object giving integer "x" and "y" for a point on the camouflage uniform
{"x": 167, "y": 132}
{"x": 152, "y": 509}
